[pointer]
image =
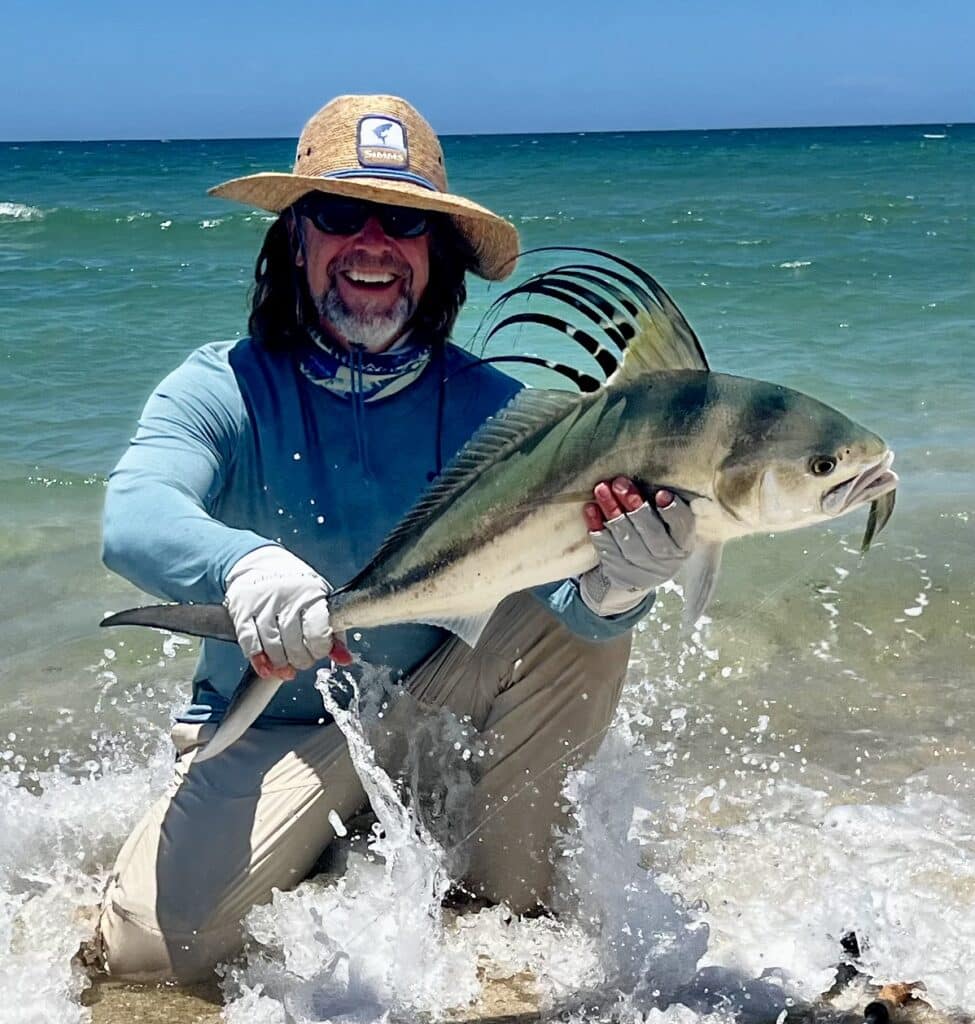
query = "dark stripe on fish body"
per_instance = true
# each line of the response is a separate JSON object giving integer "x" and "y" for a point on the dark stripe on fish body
{"x": 759, "y": 417}
{"x": 385, "y": 581}
{"x": 687, "y": 404}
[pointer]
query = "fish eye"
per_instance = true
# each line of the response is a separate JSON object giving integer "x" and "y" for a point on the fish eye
{"x": 822, "y": 465}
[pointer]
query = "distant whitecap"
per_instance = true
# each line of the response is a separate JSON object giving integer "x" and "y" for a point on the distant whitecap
{"x": 18, "y": 211}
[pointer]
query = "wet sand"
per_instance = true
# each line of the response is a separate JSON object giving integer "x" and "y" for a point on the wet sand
{"x": 507, "y": 1001}
{"x": 115, "y": 1003}
{"x": 503, "y": 1001}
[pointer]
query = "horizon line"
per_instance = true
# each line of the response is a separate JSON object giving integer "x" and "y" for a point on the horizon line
{"x": 490, "y": 134}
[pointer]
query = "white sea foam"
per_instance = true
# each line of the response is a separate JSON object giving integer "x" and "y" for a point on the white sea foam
{"x": 39, "y": 934}
{"x": 795, "y": 264}
{"x": 18, "y": 211}
{"x": 788, "y": 880}
{"x": 374, "y": 944}
{"x": 649, "y": 943}
{"x": 56, "y": 843}
{"x": 375, "y": 940}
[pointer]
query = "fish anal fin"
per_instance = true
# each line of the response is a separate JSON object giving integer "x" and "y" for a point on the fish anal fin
{"x": 468, "y": 627}
{"x": 700, "y": 577}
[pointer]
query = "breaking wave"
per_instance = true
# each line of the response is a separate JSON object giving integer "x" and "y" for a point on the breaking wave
{"x": 18, "y": 211}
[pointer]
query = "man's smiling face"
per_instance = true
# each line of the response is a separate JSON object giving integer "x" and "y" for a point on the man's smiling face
{"x": 365, "y": 285}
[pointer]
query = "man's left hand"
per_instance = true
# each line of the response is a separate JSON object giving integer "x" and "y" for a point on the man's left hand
{"x": 640, "y": 544}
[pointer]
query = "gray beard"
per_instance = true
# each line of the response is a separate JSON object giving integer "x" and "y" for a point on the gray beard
{"x": 372, "y": 330}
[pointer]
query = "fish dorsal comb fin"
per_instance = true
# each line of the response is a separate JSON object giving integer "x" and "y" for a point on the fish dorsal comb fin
{"x": 628, "y": 307}
{"x": 585, "y": 382}
{"x": 659, "y": 342}
{"x": 503, "y": 433}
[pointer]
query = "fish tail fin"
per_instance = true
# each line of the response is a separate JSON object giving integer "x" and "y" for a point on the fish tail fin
{"x": 206, "y": 620}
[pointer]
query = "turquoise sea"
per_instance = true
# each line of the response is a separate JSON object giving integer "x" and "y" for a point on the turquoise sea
{"x": 802, "y": 768}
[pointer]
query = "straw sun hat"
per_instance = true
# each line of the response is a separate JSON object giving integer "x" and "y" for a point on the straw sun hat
{"x": 379, "y": 148}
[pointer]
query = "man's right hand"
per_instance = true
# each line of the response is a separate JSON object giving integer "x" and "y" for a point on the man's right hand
{"x": 279, "y": 608}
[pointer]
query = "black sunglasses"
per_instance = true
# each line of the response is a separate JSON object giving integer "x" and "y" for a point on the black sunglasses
{"x": 343, "y": 215}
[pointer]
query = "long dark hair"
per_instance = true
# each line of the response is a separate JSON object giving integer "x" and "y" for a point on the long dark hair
{"x": 281, "y": 304}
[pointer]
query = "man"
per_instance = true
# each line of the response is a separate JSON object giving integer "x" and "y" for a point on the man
{"x": 264, "y": 468}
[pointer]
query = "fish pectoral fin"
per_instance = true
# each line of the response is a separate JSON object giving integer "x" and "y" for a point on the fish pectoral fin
{"x": 700, "y": 579}
{"x": 880, "y": 512}
{"x": 207, "y": 620}
{"x": 468, "y": 627}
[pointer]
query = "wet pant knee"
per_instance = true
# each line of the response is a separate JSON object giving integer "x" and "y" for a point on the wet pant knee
{"x": 133, "y": 950}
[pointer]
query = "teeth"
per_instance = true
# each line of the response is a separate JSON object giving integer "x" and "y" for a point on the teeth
{"x": 370, "y": 277}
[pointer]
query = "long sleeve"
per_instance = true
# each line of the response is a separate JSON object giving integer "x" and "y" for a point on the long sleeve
{"x": 563, "y": 599}
{"x": 158, "y": 530}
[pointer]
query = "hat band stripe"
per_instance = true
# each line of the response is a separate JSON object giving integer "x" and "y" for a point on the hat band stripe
{"x": 415, "y": 179}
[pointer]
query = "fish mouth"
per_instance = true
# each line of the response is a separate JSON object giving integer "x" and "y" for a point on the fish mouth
{"x": 869, "y": 485}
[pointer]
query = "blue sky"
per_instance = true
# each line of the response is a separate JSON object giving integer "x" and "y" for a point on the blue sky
{"x": 178, "y": 69}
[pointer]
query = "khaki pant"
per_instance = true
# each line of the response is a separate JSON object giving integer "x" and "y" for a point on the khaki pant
{"x": 256, "y": 817}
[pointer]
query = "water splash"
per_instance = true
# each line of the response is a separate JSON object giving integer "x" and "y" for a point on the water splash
{"x": 374, "y": 941}
{"x": 58, "y": 835}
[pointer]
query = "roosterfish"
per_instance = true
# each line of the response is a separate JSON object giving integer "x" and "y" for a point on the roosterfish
{"x": 505, "y": 515}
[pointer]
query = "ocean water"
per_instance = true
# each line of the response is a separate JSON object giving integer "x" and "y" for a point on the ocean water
{"x": 801, "y": 767}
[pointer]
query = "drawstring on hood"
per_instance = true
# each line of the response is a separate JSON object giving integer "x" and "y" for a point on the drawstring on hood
{"x": 359, "y": 409}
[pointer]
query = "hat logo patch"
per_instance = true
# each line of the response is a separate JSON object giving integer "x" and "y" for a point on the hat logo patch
{"x": 381, "y": 142}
